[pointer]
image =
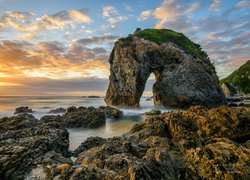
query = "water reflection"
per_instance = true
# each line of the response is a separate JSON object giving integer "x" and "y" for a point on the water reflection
{"x": 111, "y": 129}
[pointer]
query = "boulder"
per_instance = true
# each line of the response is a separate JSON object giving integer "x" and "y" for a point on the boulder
{"x": 89, "y": 117}
{"x": 111, "y": 112}
{"x": 85, "y": 117}
{"x": 184, "y": 75}
{"x": 21, "y": 110}
{"x": 57, "y": 111}
{"x": 18, "y": 122}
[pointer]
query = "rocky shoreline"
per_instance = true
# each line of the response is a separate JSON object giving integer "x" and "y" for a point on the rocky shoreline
{"x": 199, "y": 143}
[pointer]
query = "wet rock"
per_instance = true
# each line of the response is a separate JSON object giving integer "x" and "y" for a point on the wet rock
{"x": 82, "y": 117}
{"x": 201, "y": 123}
{"x": 196, "y": 144}
{"x": 22, "y": 110}
{"x": 85, "y": 117}
{"x": 153, "y": 112}
{"x": 57, "y": 111}
{"x": 199, "y": 143}
{"x": 111, "y": 112}
{"x": 143, "y": 154}
{"x": 18, "y": 122}
{"x": 89, "y": 143}
{"x": 50, "y": 118}
{"x": 219, "y": 158}
{"x": 23, "y": 150}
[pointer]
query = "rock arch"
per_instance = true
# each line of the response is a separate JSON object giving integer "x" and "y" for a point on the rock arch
{"x": 182, "y": 78}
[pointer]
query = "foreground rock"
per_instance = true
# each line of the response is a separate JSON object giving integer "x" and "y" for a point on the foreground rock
{"x": 22, "y": 151}
{"x": 22, "y": 110}
{"x": 196, "y": 144}
{"x": 183, "y": 72}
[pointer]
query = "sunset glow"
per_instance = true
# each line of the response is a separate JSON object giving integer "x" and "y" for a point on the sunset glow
{"x": 68, "y": 43}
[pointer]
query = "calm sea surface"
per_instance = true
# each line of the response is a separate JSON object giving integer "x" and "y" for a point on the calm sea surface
{"x": 41, "y": 105}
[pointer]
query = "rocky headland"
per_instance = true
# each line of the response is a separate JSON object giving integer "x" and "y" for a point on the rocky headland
{"x": 184, "y": 75}
{"x": 199, "y": 143}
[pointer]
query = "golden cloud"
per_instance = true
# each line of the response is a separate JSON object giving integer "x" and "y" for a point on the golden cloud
{"x": 25, "y": 21}
{"x": 51, "y": 60}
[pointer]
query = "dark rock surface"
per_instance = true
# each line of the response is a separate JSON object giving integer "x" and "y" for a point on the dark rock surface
{"x": 194, "y": 144}
{"x": 85, "y": 117}
{"x": 21, "y": 110}
{"x": 111, "y": 112}
{"x": 199, "y": 143}
{"x": 153, "y": 112}
{"x": 57, "y": 111}
{"x": 18, "y": 122}
{"x": 89, "y": 143}
{"x": 182, "y": 78}
{"x": 27, "y": 148}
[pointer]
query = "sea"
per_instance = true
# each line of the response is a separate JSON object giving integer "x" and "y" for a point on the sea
{"x": 42, "y": 105}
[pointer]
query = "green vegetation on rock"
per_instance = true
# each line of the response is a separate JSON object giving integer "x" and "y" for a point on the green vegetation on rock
{"x": 167, "y": 35}
{"x": 240, "y": 78}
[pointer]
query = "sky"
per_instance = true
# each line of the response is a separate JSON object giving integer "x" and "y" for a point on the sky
{"x": 61, "y": 47}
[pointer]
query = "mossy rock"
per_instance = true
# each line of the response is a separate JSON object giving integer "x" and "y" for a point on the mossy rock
{"x": 167, "y": 35}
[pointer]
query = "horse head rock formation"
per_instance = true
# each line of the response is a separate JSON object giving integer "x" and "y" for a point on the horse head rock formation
{"x": 184, "y": 75}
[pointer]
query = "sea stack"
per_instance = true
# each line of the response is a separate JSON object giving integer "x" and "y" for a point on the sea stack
{"x": 184, "y": 75}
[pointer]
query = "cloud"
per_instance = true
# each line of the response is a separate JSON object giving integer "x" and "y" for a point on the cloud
{"x": 61, "y": 19}
{"x": 224, "y": 38}
{"x": 53, "y": 59}
{"x": 243, "y": 4}
{"x": 215, "y": 5}
{"x": 17, "y": 20}
{"x": 173, "y": 14}
{"x": 96, "y": 40}
{"x": 108, "y": 10}
{"x": 26, "y": 21}
{"x": 194, "y": 7}
{"x": 30, "y": 36}
{"x": 127, "y": 7}
{"x": 112, "y": 21}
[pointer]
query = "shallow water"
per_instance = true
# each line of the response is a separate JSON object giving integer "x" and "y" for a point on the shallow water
{"x": 41, "y": 105}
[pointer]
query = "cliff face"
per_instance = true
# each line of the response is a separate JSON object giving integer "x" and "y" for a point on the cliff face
{"x": 184, "y": 74}
{"x": 240, "y": 78}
